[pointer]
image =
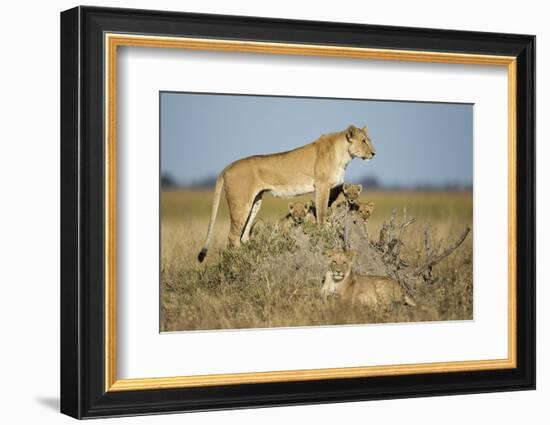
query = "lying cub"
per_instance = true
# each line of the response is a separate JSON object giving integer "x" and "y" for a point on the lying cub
{"x": 371, "y": 291}
{"x": 349, "y": 195}
{"x": 298, "y": 213}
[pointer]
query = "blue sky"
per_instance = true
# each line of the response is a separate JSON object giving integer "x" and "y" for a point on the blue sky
{"x": 416, "y": 142}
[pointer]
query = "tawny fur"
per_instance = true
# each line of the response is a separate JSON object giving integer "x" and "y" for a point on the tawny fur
{"x": 361, "y": 211}
{"x": 349, "y": 195}
{"x": 298, "y": 213}
{"x": 316, "y": 167}
{"x": 375, "y": 292}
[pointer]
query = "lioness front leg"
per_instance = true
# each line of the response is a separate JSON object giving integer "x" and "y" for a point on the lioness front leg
{"x": 322, "y": 192}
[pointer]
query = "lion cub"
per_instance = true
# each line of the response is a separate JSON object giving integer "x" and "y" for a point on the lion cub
{"x": 370, "y": 291}
{"x": 298, "y": 213}
{"x": 349, "y": 195}
{"x": 362, "y": 211}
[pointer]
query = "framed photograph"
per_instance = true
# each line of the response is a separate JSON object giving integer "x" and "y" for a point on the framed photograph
{"x": 261, "y": 212}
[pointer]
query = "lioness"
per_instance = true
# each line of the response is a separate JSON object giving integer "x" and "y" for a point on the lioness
{"x": 362, "y": 211}
{"x": 371, "y": 291}
{"x": 349, "y": 195}
{"x": 316, "y": 167}
{"x": 298, "y": 213}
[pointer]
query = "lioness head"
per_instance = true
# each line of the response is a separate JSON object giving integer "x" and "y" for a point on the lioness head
{"x": 365, "y": 209}
{"x": 360, "y": 144}
{"x": 340, "y": 263}
{"x": 298, "y": 211}
{"x": 352, "y": 191}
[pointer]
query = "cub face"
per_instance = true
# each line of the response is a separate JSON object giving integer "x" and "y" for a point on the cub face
{"x": 352, "y": 192}
{"x": 359, "y": 143}
{"x": 298, "y": 211}
{"x": 364, "y": 210}
{"x": 340, "y": 263}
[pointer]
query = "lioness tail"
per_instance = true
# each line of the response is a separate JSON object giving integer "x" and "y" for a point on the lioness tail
{"x": 215, "y": 204}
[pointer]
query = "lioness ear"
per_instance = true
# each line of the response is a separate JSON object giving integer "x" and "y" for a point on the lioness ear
{"x": 365, "y": 129}
{"x": 350, "y": 132}
{"x": 329, "y": 253}
{"x": 291, "y": 206}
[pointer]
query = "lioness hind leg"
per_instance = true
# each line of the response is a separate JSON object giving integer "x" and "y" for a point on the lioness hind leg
{"x": 239, "y": 212}
{"x": 255, "y": 208}
{"x": 238, "y": 218}
{"x": 235, "y": 231}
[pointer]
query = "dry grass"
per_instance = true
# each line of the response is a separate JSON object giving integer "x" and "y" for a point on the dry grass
{"x": 274, "y": 280}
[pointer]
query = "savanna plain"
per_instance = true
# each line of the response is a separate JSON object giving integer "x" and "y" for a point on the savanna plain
{"x": 275, "y": 279}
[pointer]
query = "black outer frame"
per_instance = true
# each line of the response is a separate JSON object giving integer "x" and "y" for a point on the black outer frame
{"x": 82, "y": 216}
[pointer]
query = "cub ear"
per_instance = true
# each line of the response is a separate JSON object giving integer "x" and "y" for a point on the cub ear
{"x": 346, "y": 187}
{"x": 359, "y": 187}
{"x": 291, "y": 206}
{"x": 307, "y": 206}
{"x": 352, "y": 254}
{"x": 350, "y": 132}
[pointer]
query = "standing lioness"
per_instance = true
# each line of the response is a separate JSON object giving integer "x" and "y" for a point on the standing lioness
{"x": 316, "y": 167}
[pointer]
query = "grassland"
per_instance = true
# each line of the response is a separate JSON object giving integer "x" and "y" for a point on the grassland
{"x": 274, "y": 280}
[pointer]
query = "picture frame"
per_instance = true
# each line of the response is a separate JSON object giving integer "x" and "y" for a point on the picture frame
{"x": 90, "y": 39}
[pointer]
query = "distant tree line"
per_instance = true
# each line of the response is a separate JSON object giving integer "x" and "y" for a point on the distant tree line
{"x": 167, "y": 181}
{"x": 368, "y": 182}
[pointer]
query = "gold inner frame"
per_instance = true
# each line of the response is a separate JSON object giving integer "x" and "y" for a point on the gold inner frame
{"x": 113, "y": 41}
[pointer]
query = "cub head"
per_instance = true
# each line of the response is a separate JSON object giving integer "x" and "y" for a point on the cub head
{"x": 365, "y": 209}
{"x": 298, "y": 211}
{"x": 340, "y": 263}
{"x": 359, "y": 143}
{"x": 352, "y": 191}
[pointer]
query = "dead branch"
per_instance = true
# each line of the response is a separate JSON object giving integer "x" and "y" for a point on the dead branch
{"x": 427, "y": 244}
{"x": 383, "y": 238}
{"x": 346, "y": 233}
{"x": 384, "y": 254}
{"x": 436, "y": 259}
{"x": 392, "y": 222}
{"x": 404, "y": 226}
{"x": 390, "y": 244}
